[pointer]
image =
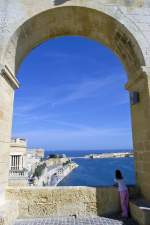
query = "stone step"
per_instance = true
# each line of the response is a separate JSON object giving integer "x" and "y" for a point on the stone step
{"x": 140, "y": 211}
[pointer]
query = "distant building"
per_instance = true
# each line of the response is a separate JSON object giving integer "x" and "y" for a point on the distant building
{"x": 18, "y": 154}
{"x": 36, "y": 152}
{"x": 39, "y": 153}
{"x": 23, "y": 161}
{"x": 34, "y": 156}
{"x": 17, "y": 162}
{"x": 55, "y": 161}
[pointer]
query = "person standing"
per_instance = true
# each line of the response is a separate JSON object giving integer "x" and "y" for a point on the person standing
{"x": 123, "y": 192}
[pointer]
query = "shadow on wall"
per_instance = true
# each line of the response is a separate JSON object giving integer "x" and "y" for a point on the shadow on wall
{"x": 59, "y": 2}
{"x": 108, "y": 205}
{"x": 107, "y": 200}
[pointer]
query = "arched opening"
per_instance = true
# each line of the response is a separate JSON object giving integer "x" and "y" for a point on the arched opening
{"x": 72, "y": 101}
{"x": 80, "y": 21}
{"x": 97, "y": 25}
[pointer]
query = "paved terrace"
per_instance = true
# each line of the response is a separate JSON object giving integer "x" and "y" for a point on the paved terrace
{"x": 75, "y": 221}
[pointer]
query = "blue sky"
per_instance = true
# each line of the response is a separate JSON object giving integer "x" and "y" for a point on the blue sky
{"x": 72, "y": 97}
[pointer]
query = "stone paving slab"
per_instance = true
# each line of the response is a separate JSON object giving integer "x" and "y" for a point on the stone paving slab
{"x": 74, "y": 221}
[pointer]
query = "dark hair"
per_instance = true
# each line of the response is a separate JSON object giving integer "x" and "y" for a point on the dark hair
{"x": 118, "y": 175}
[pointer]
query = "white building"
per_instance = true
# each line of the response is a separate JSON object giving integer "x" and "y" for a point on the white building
{"x": 34, "y": 156}
{"x": 17, "y": 162}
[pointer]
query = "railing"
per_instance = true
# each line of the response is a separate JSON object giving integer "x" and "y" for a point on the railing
{"x": 15, "y": 168}
{"x": 17, "y": 173}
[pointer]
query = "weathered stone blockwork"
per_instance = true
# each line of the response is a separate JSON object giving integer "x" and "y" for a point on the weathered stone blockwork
{"x": 64, "y": 201}
{"x": 140, "y": 211}
{"x": 6, "y": 105}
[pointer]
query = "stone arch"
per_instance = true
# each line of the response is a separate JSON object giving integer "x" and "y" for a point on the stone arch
{"x": 108, "y": 25}
{"x": 77, "y": 21}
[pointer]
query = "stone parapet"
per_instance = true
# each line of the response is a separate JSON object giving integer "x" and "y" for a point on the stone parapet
{"x": 65, "y": 201}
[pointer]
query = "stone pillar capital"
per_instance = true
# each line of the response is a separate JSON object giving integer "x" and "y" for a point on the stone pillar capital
{"x": 141, "y": 75}
{"x": 7, "y": 75}
{"x": 146, "y": 70}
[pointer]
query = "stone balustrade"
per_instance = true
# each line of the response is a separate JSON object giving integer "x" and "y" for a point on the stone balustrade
{"x": 17, "y": 178}
{"x": 17, "y": 173}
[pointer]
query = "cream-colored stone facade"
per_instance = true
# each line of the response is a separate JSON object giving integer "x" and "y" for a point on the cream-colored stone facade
{"x": 18, "y": 154}
{"x": 17, "y": 162}
{"x": 122, "y": 25}
{"x": 64, "y": 201}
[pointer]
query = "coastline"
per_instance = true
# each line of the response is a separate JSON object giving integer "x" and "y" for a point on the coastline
{"x": 110, "y": 155}
{"x": 82, "y": 153}
{"x": 105, "y": 155}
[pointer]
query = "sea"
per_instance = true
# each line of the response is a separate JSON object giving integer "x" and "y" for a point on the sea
{"x": 97, "y": 172}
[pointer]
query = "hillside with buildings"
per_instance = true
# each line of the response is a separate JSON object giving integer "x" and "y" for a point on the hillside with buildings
{"x": 29, "y": 167}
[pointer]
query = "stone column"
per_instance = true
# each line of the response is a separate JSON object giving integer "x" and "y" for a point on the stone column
{"x": 13, "y": 161}
{"x": 16, "y": 162}
{"x": 19, "y": 162}
{"x": 7, "y": 85}
{"x": 141, "y": 129}
{"x": 10, "y": 162}
{"x": 22, "y": 162}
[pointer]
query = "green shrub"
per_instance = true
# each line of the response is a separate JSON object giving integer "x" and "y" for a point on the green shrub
{"x": 39, "y": 170}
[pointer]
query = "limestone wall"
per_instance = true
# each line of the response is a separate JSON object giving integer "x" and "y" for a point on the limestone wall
{"x": 6, "y": 105}
{"x": 41, "y": 202}
{"x": 64, "y": 201}
{"x": 141, "y": 133}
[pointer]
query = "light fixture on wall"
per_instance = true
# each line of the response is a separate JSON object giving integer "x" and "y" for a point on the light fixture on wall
{"x": 134, "y": 97}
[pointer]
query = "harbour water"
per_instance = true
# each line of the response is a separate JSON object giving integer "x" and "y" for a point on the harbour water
{"x": 97, "y": 172}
